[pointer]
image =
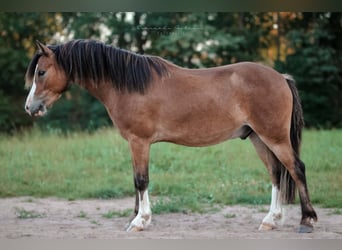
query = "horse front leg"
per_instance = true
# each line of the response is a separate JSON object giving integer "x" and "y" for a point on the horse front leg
{"x": 142, "y": 211}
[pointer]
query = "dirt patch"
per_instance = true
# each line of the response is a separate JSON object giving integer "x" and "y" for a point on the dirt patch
{"x": 52, "y": 218}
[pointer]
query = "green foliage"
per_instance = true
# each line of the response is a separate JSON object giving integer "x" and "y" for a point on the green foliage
{"x": 9, "y": 122}
{"x": 202, "y": 39}
{"x": 182, "y": 179}
{"x": 316, "y": 66}
{"x": 17, "y": 44}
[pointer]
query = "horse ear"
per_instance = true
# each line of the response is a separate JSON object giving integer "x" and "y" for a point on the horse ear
{"x": 44, "y": 49}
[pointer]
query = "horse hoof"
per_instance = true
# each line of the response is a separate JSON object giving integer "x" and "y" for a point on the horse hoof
{"x": 266, "y": 227}
{"x": 305, "y": 229}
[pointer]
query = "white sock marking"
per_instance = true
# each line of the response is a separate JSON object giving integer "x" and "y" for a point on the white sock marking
{"x": 144, "y": 216}
{"x": 276, "y": 214}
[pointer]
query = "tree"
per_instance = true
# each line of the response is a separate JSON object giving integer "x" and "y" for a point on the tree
{"x": 315, "y": 64}
{"x": 18, "y": 33}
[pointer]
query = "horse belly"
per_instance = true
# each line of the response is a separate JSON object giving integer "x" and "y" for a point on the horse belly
{"x": 197, "y": 132}
{"x": 201, "y": 119}
{"x": 197, "y": 139}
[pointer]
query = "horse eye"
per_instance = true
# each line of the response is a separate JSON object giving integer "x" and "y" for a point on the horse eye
{"x": 41, "y": 72}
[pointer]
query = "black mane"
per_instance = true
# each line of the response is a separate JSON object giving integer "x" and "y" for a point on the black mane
{"x": 84, "y": 60}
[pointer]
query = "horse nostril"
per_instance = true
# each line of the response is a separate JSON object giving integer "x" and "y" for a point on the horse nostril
{"x": 41, "y": 107}
{"x": 27, "y": 109}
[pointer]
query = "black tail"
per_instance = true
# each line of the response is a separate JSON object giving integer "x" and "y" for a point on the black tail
{"x": 297, "y": 120}
{"x": 286, "y": 183}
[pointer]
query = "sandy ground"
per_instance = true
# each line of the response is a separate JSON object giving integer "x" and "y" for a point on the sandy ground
{"x": 61, "y": 219}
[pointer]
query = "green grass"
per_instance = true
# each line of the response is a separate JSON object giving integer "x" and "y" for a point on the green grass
{"x": 98, "y": 165}
{"x": 337, "y": 211}
{"x": 82, "y": 214}
{"x": 22, "y": 213}
{"x": 229, "y": 216}
{"x": 116, "y": 214}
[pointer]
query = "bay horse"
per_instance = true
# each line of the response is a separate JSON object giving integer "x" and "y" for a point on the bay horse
{"x": 150, "y": 100}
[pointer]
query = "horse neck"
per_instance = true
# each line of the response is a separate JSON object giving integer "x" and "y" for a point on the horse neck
{"x": 104, "y": 92}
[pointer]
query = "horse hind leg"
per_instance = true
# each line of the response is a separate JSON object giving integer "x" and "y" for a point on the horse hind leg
{"x": 296, "y": 168}
{"x": 309, "y": 215}
{"x": 275, "y": 216}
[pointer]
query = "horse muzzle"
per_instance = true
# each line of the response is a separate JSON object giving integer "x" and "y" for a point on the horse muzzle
{"x": 35, "y": 108}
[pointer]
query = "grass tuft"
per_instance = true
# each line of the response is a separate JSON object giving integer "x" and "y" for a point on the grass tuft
{"x": 117, "y": 214}
{"x": 229, "y": 216}
{"x": 82, "y": 214}
{"x": 336, "y": 211}
{"x": 22, "y": 213}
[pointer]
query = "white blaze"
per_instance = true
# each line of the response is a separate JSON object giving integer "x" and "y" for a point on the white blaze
{"x": 30, "y": 96}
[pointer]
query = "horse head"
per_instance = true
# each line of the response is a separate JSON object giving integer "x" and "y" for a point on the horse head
{"x": 47, "y": 81}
